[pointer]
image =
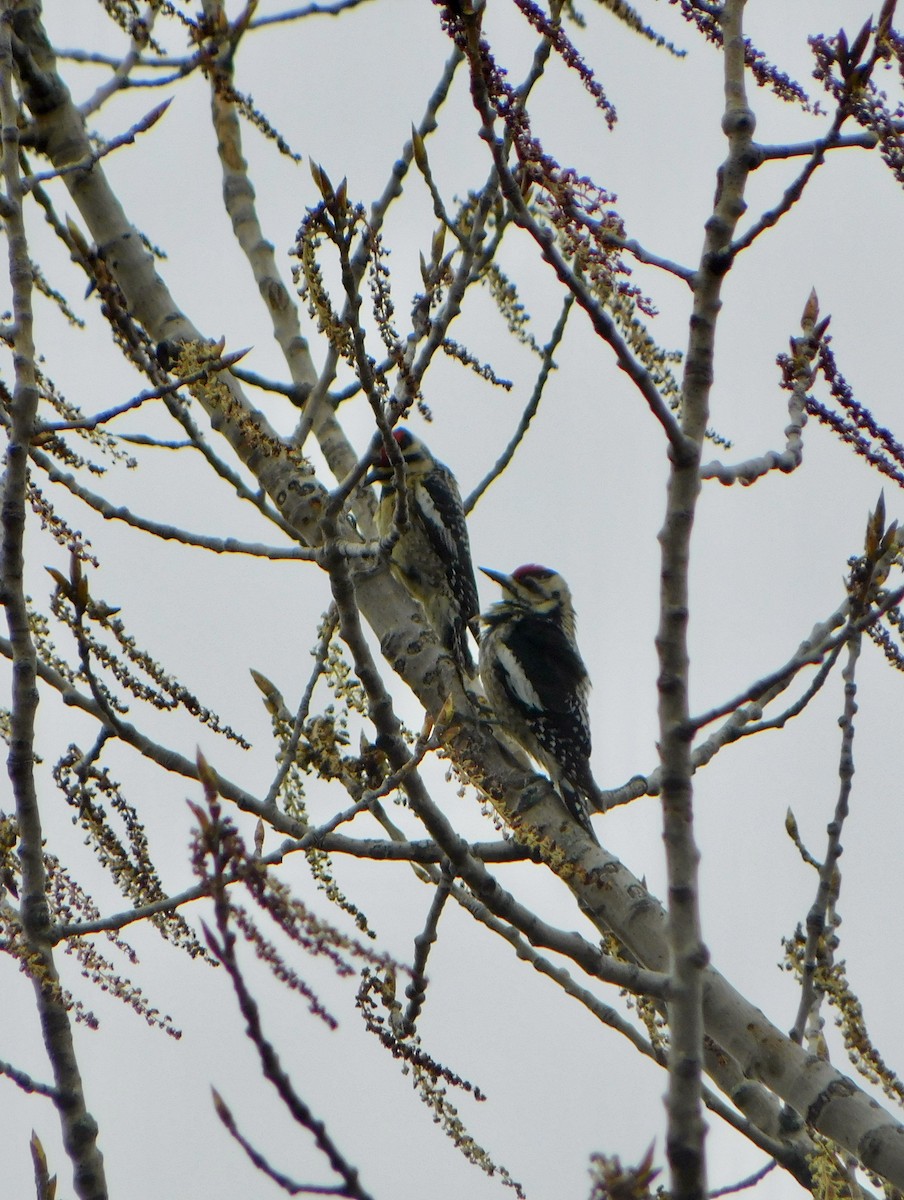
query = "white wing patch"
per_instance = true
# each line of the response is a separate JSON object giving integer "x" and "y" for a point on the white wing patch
{"x": 515, "y": 680}
{"x": 434, "y": 517}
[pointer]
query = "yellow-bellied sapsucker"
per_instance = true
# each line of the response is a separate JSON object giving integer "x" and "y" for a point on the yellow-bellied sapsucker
{"x": 432, "y": 556}
{"x": 535, "y": 679}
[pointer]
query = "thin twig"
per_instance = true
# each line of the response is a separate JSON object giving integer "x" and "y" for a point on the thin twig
{"x": 165, "y": 532}
{"x": 422, "y": 853}
{"x": 742, "y": 1185}
{"x": 794, "y": 191}
{"x": 559, "y": 975}
{"x": 530, "y": 411}
{"x": 865, "y": 140}
{"x": 141, "y": 31}
{"x": 289, "y": 751}
{"x": 165, "y": 389}
{"x": 25, "y": 1082}
{"x": 260, "y": 1162}
{"x": 809, "y": 653}
{"x": 816, "y": 951}
{"x": 224, "y": 950}
{"x": 309, "y": 10}
{"x": 804, "y": 350}
{"x": 603, "y": 324}
{"x": 795, "y": 709}
{"x": 91, "y": 160}
{"x": 636, "y": 250}
{"x": 417, "y": 989}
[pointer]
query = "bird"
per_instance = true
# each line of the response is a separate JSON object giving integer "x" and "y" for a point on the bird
{"x": 432, "y": 554}
{"x": 535, "y": 680}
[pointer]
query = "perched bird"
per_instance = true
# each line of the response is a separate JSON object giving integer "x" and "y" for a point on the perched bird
{"x": 432, "y": 556}
{"x": 535, "y": 679}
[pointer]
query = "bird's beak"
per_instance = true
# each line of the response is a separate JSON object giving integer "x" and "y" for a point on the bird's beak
{"x": 504, "y": 581}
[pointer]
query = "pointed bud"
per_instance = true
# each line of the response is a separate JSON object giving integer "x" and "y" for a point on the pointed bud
{"x": 439, "y": 241}
{"x": 860, "y": 41}
{"x": 37, "y": 1152}
{"x": 420, "y": 152}
{"x": 875, "y": 528}
{"x": 101, "y": 611}
{"x": 273, "y": 698}
{"x": 883, "y": 25}
{"x": 61, "y": 581}
{"x": 200, "y": 814}
{"x": 207, "y": 775}
{"x": 322, "y": 182}
{"x": 811, "y": 312}
{"x": 154, "y": 115}
{"x": 78, "y": 238}
{"x": 841, "y": 51}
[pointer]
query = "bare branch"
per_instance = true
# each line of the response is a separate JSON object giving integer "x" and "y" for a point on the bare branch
{"x": 165, "y": 532}
{"x": 417, "y": 988}
{"x": 810, "y": 652}
{"x": 89, "y": 160}
{"x": 602, "y": 322}
{"x": 260, "y": 1162}
{"x": 794, "y": 191}
{"x": 141, "y": 30}
{"x": 530, "y": 411}
{"x": 224, "y": 950}
{"x": 816, "y": 950}
{"x": 743, "y": 1184}
{"x": 636, "y": 250}
{"x": 79, "y": 1129}
{"x": 307, "y": 10}
{"x": 25, "y": 1082}
{"x": 799, "y": 373}
{"x": 688, "y": 954}
{"x": 866, "y": 139}
{"x": 165, "y": 389}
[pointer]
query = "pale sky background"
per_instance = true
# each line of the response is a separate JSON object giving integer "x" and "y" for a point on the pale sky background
{"x": 585, "y": 494}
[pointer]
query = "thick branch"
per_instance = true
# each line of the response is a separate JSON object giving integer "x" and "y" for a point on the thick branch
{"x": 79, "y": 1128}
{"x": 61, "y": 133}
{"x": 688, "y": 954}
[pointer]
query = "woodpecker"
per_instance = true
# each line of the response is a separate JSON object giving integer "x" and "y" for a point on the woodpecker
{"x": 432, "y": 555}
{"x": 535, "y": 679}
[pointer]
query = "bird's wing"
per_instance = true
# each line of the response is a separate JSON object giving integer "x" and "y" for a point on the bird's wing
{"x": 443, "y": 519}
{"x": 556, "y": 686}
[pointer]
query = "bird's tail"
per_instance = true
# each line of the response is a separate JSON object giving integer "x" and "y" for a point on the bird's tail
{"x": 580, "y": 802}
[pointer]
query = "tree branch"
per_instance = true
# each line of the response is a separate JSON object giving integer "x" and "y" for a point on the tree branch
{"x": 79, "y": 1129}
{"x": 530, "y": 411}
{"x": 687, "y": 952}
